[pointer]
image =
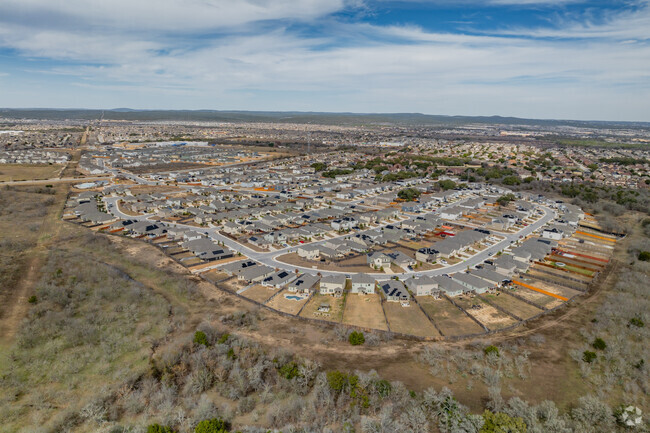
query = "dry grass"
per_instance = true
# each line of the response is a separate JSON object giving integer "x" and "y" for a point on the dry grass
{"x": 409, "y": 320}
{"x": 336, "y": 308}
{"x": 448, "y": 318}
{"x": 364, "y": 311}
{"x": 260, "y": 293}
{"x": 13, "y": 172}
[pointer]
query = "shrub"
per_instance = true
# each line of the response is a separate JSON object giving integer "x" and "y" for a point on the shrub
{"x": 491, "y": 349}
{"x": 201, "y": 338}
{"x": 635, "y": 321}
{"x": 599, "y": 344}
{"x": 214, "y": 425}
{"x": 588, "y": 356}
{"x": 356, "y": 338}
{"x": 644, "y": 256}
{"x": 32, "y": 299}
{"x": 289, "y": 370}
{"x": 157, "y": 428}
{"x": 223, "y": 339}
{"x": 500, "y": 423}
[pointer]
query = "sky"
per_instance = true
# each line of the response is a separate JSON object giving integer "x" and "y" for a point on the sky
{"x": 547, "y": 59}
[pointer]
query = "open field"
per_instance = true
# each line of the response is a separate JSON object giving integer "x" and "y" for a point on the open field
{"x": 364, "y": 311}
{"x": 409, "y": 320}
{"x": 13, "y": 172}
{"x": 336, "y": 308}
{"x": 279, "y": 302}
{"x": 536, "y": 297}
{"x": 485, "y": 313}
{"x": 352, "y": 265}
{"x": 449, "y": 319}
{"x": 259, "y": 293}
{"x": 513, "y": 305}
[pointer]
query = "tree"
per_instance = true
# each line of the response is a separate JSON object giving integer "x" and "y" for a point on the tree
{"x": 599, "y": 344}
{"x": 644, "y": 256}
{"x": 157, "y": 428}
{"x": 201, "y": 338}
{"x": 319, "y": 166}
{"x": 511, "y": 180}
{"x": 446, "y": 184}
{"x": 501, "y": 423}
{"x": 588, "y": 356}
{"x": 356, "y": 338}
{"x": 214, "y": 425}
{"x": 409, "y": 194}
{"x": 505, "y": 199}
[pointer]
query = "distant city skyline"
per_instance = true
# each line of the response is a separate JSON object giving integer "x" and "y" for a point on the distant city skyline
{"x": 542, "y": 59}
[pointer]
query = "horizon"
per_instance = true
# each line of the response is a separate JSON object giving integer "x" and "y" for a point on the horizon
{"x": 126, "y": 110}
{"x": 536, "y": 59}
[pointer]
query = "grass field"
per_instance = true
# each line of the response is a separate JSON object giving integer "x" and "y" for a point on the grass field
{"x": 260, "y": 293}
{"x": 409, "y": 320}
{"x": 336, "y": 308}
{"x": 364, "y": 311}
{"x": 286, "y": 305}
{"x": 12, "y": 172}
{"x": 449, "y": 319}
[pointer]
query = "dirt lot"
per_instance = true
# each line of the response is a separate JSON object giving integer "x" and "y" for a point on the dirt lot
{"x": 353, "y": 265}
{"x": 486, "y": 314}
{"x": 336, "y": 308}
{"x": 286, "y": 305}
{"x": 558, "y": 280}
{"x": 409, "y": 320}
{"x": 364, "y": 311}
{"x": 513, "y": 305}
{"x": 536, "y": 297}
{"x": 449, "y": 319}
{"x": 11, "y": 172}
{"x": 557, "y": 289}
{"x": 260, "y": 293}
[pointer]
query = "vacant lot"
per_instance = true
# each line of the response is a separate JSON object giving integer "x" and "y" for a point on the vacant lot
{"x": 11, "y": 172}
{"x": 260, "y": 293}
{"x": 485, "y": 313}
{"x": 553, "y": 288}
{"x": 449, "y": 319}
{"x": 513, "y": 305}
{"x": 538, "y": 298}
{"x": 351, "y": 265}
{"x": 409, "y": 320}
{"x": 336, "y": 308}
{"x": 364, "y": 311}
{"x": 283, "y": 304}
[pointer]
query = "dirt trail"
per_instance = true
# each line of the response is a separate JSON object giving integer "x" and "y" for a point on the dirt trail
{"x": 15, "y": 307}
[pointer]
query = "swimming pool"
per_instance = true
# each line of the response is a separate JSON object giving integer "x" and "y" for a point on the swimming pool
{"x": 294, "y": 297}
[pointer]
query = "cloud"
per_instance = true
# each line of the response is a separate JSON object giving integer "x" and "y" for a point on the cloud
{"x": 226, "y": 54}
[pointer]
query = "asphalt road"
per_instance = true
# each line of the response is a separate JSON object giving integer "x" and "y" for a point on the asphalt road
{"x": 270, "y": 258}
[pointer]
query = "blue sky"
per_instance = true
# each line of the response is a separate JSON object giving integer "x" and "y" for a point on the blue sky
{"x": 562, "y": 59}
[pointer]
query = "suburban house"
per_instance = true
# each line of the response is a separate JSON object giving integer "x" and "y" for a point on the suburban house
{"x": 278, "y": 279}
{"x": 492, "y": 277}
{"x": 304, "y": 284}
{"x": 395, "y": 292}
{"x": 401, "y": 259}
{"x": 309, "y": 252}
{"x": 422, "y": 286}
{"x": 255, "y": 274}
{"x": 448, "y": 286}
{"x": 426, "y": 255}
{"x": 471, "y": 283}
{"x": 362, "y": 283}
{"x": 378, "y": 260}
{"x": 332, "y": 285}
